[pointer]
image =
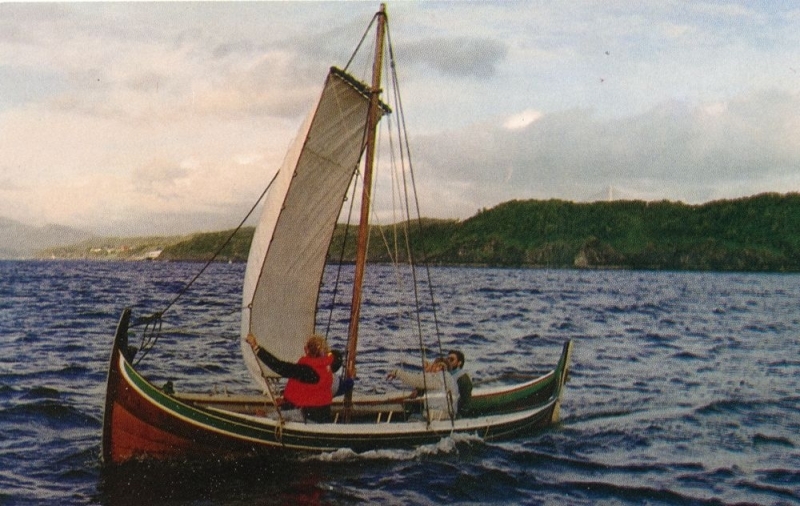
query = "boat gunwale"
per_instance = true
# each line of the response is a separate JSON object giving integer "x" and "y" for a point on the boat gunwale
{"x": 263, "y": 423}
{"x": 367, "y": 399}
{"x": 246, "y": 434}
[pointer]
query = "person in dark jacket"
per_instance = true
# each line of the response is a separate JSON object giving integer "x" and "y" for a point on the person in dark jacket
{"x": 455, "y": 358}
{"x": 309, "y": 388}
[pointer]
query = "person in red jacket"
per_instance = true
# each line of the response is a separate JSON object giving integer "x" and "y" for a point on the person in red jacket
{"x": 310, "y": 379}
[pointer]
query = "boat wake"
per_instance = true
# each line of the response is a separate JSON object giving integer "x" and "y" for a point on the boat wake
{"x": 445, "y": 446}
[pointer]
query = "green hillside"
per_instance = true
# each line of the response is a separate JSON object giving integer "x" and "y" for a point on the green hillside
{"x": 201, "y": 247}
{"x": 760, "y": 233}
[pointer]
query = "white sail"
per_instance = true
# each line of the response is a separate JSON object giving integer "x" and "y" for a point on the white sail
{"x": 289, "y": 248}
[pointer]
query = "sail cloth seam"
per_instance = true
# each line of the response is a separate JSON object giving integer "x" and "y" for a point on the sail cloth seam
{"x": 283, "y": 207}
{"x": 354, "y": 185}
{"x": 336, "y": 122}
{"x": 362, "y": 89}
{"x": 354, "y": 84}
{"x": 266, "y": 252}
{"x": 340, "y": 263}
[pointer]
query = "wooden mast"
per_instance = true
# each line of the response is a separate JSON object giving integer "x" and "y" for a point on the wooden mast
{"x": 366, "y": 198}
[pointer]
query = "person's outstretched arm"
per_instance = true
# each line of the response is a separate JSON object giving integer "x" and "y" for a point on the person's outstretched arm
{"x": 302, "y": 373}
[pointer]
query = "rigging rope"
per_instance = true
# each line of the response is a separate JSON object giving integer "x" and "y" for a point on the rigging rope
{"x": 338, "y": 278}
{"x": 360, "y": 42}
{"x": 405, "y": 187}
{"x": 271, "y": 394}
{"x": 219, "y": 250}
{"x": 150, "y": 339}
{"x": 401, "y": 120}
{"x": 405, "y": 157}
{"x": 153, "y": 323}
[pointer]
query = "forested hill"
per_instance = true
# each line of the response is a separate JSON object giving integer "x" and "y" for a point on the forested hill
{"x": 760, "y": 233}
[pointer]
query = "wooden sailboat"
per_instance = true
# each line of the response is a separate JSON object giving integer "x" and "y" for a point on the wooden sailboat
{"x": 280, "y": 299}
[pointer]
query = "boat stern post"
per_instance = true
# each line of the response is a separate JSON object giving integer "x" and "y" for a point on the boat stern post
{"x": 119, "y": 347}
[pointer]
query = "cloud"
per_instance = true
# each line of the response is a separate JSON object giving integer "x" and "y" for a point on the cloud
{"x": 676, "y": 150}
{"x": 85, "y": 62}
{"x": 161, "y": 177}
{"x": 131, "y": 114}
{"x": 522, "y": 119}
{"x": 459, "y": 56}
{"x": 8, "y": 185}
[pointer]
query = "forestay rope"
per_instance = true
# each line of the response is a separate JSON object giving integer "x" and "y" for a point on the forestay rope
{"x": 153, "y": 323}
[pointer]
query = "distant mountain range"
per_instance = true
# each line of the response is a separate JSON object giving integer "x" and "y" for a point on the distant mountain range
{"x": 18, "y": 240}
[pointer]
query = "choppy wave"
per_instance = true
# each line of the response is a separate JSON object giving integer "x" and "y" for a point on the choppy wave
{"x": 684, "y": 388}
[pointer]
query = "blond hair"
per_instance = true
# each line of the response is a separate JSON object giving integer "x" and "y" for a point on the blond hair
{"x": 316, "y": 346}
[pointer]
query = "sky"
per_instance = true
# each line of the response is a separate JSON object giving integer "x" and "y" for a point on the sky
{"x": 170, "y": 118}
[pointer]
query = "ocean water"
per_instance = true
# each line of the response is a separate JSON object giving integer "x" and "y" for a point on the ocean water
{"x": 684, "y": 388}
